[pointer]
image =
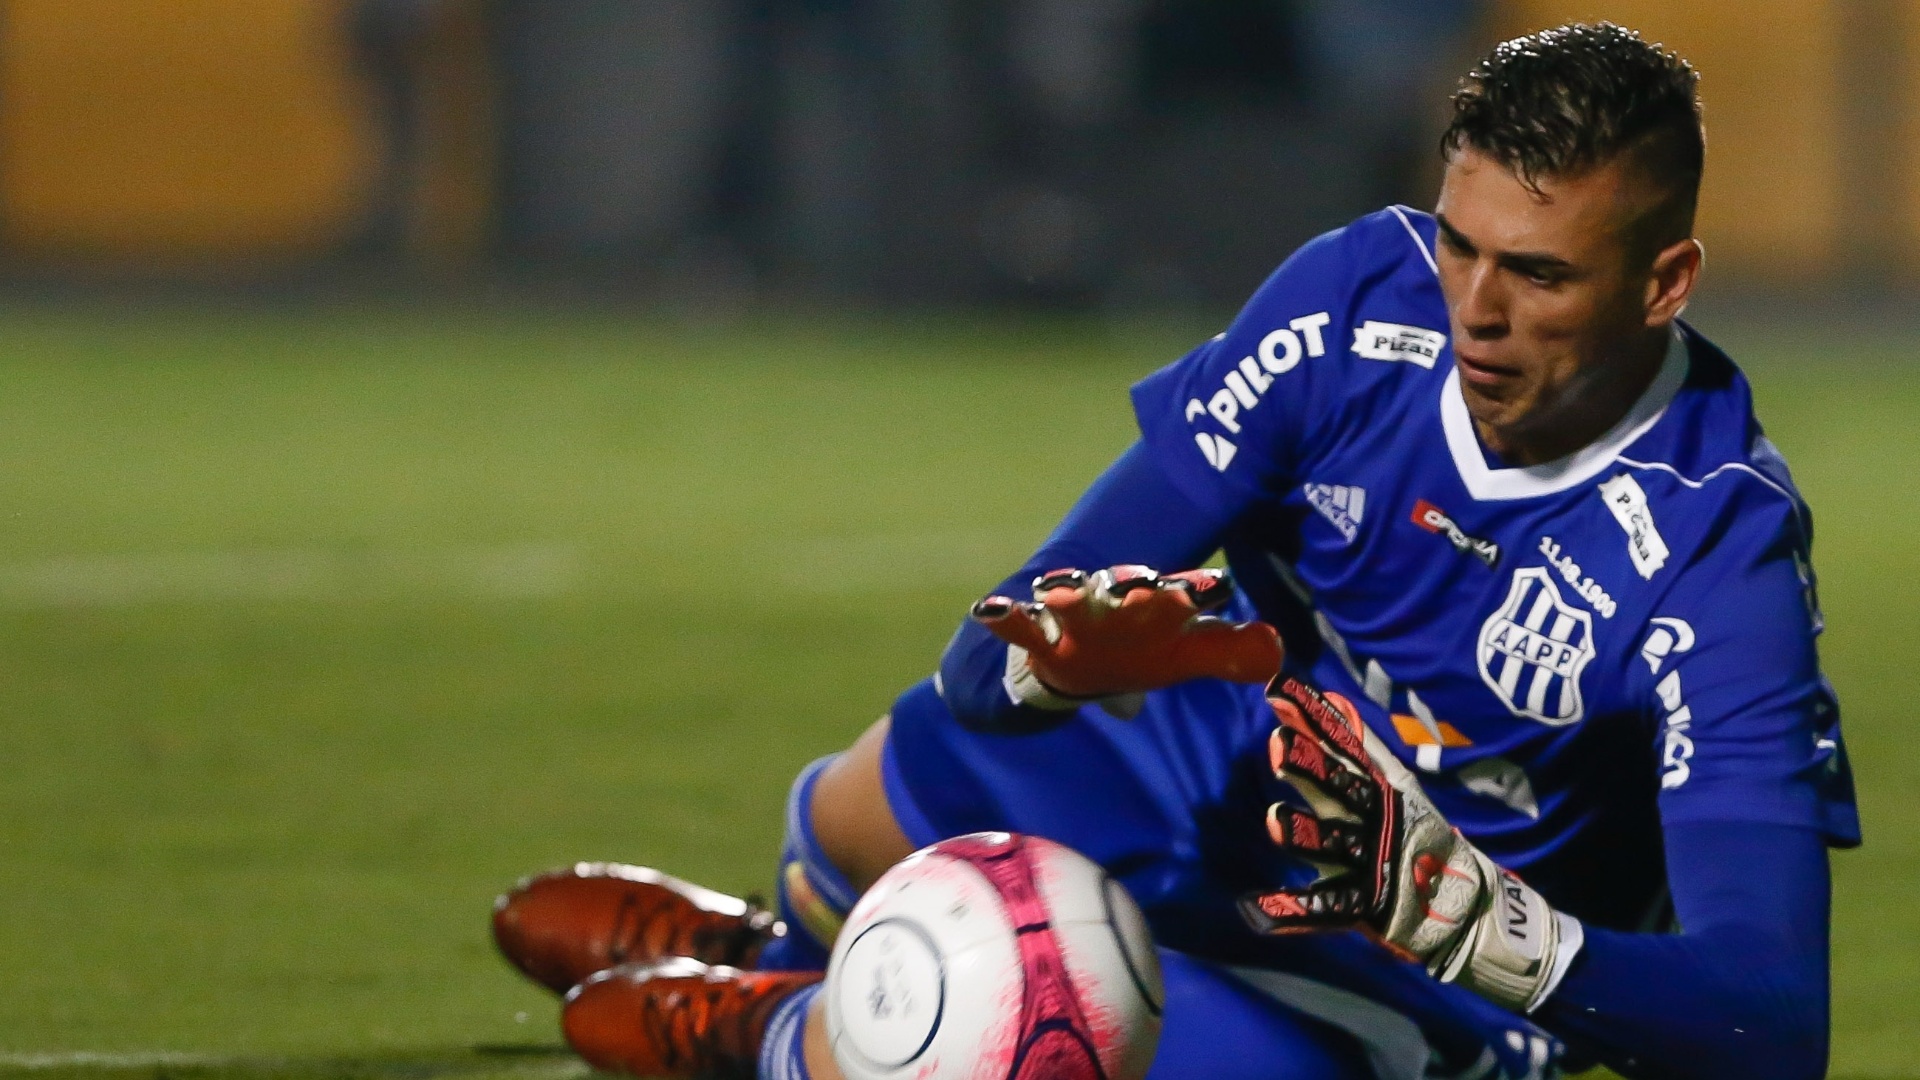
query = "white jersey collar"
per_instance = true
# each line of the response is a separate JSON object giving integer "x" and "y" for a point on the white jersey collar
{"x": 1486, "y": 483}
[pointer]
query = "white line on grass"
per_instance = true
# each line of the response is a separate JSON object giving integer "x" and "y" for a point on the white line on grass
{"x": 135, "y": 1059}
{"x": 411, "y": 1068}
{"x": 116, "y": 580}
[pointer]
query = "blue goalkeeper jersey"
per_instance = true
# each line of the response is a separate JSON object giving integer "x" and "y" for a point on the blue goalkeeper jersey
{"x": 1568, "y": 654}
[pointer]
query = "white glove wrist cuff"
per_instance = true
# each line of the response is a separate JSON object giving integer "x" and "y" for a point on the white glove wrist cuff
{"x": 1025, "y": 688}
{"x": 1572, "y": 937}
{"x": 1511, "y": 954}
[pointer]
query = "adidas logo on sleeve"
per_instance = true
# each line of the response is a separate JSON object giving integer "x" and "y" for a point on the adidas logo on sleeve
{"x": 1341, "y": 504}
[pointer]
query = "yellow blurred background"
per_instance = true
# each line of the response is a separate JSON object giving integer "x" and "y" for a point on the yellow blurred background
{"x": 218, "y": 130}
{"x": 233, "y": 131}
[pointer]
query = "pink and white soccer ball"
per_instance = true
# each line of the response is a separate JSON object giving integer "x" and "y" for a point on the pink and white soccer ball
{"x": 994, "y": 956}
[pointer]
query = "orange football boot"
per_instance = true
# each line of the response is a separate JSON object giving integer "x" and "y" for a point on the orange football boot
{"x": 562, "y": 926}
{"x": 677, "y": 1018}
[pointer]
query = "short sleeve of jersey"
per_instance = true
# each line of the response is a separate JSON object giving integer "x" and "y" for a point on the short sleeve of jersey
{"x": 1228, "y": 421}
{"x": 1747, "y": 727}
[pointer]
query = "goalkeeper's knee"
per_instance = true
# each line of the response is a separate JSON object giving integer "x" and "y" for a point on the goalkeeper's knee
{"x": 814, "y": 895}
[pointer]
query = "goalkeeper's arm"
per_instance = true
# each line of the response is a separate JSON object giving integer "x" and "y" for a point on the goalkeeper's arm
{"x": 1131, "y": 514}
{"x": 1740, "y": 991}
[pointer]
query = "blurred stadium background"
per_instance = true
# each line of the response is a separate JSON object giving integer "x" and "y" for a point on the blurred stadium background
{"x": 440, "y": 439}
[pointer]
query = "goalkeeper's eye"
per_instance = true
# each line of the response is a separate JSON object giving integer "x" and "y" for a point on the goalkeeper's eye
{"x": 1541, "y": 271}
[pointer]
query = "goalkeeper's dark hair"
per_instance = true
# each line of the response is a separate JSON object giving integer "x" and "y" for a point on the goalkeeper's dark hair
{"x": 1563, "y": 101}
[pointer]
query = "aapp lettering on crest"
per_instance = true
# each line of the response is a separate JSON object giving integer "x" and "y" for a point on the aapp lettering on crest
{"x": 1534, "y": 648}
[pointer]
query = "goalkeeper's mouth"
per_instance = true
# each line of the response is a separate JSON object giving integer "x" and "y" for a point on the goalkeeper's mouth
{"x": 1483, "y": 374}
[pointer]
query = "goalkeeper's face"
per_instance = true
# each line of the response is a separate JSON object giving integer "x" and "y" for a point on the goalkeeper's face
{"x": 1558, "y": 307}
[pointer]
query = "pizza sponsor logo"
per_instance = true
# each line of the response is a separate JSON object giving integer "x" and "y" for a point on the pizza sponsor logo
{"x": 1435, "y": 520}
{"x": 1245, "y": 384}
{"x": 1628, "y": 502}
{"x": 1374, "y": 340}
{"x": 1533, "y": 649}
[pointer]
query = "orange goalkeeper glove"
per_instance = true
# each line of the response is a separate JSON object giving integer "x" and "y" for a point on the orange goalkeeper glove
{"x": 1123, "y": 631}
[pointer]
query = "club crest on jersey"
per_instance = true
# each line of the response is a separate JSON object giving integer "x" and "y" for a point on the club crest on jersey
{"x": 1533, "y": 649}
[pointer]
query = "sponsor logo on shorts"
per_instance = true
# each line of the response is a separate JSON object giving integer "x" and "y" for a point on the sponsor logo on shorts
{"x": 1342, "y": 504}
{"x": 1394, "y": 341}
{"x": 1534, "y": 648}
{"x": 1435, "y": 520}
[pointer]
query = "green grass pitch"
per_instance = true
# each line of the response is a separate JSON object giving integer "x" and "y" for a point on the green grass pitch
{"x": 317, "y": 629}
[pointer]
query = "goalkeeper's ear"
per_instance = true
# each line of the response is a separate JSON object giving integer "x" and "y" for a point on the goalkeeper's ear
{"x": 1675, "y": 271}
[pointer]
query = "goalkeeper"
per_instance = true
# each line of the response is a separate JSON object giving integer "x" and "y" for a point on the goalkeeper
{"x": 1550, "y": 731}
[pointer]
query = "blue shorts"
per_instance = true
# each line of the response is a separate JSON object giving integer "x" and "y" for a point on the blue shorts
{"x": 1173, "y": 804}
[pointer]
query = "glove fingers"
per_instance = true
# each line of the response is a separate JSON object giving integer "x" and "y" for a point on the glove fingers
{"x": 1126, "y": 628}
{"x": 1328, "y": 844}
{"x": 1071, "y": 598}
{"x": 1330, "y": 787}
{"x": 1238, "y": 652}
{"x": 1058, "y": 579}
{"x": 1334, "y": 904}
{"x": 1328, "y": 717}
{"x": 1104, "y": 590}
{"x": 1012, "y": 623}
{"x": 1142, "y": 604}
{"x": 1121, "y": 582}
{"x": 1123, "y": 602}
{"x": 1209, "y": 589}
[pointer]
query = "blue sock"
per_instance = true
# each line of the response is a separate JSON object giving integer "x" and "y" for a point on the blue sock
{"x": 783, "y": 1050}
{"x": 814, "y": 895}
